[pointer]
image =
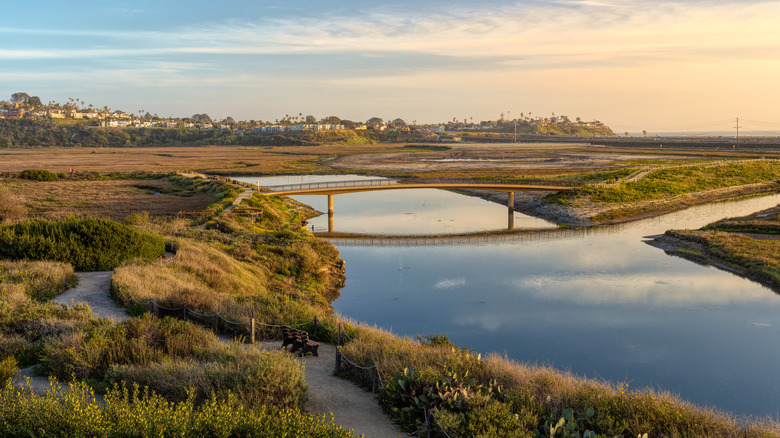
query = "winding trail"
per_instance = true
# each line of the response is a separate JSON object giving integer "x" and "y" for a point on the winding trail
{"x": 352, "y": 407}
{"x": 93, "y": 289}
{"x": 246, "y": 194}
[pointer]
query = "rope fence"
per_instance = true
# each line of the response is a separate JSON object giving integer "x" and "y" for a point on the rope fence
{"x": 216, "y": 321}
{"x": 367, "y": 376}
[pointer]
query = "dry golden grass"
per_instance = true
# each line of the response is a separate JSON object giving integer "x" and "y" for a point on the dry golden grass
{"x": 213, "y": 159}
{"x": 11, "y": 205}
{"x": 656, "y": 413}
{"x": 40, "y": 280}
{"x": 116, "y": 199}
{"x": 200, "y": 276}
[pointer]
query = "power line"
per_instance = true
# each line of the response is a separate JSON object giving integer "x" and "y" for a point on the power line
{"x": 710, "y": 124}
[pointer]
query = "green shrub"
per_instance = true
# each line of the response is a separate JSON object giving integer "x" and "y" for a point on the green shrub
{"x": 135, "y": 412}
{"x": 89, "y": 244}
{"x": 494, "y": 419}
{"x": 38, "y": 175}
{"x": 8, "y": 368}
{"x": 409, "y": 395}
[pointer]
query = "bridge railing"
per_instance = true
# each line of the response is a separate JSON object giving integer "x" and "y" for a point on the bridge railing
{"x": 332, "y": 184}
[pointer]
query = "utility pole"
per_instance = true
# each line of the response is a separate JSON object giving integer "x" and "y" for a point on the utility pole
{"x": 737, "y": 132}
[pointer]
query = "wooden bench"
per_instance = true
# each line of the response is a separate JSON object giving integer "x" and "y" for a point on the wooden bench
{"x": 299, "y": 340}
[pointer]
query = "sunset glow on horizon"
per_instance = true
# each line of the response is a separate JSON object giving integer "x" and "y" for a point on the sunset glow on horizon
{"x": 633, "y": 64}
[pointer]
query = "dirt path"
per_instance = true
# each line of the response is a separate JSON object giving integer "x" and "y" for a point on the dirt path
{"x": 352, "y": 407}
{"x": 246, "y": 194}
{"x": 93, "y": 290}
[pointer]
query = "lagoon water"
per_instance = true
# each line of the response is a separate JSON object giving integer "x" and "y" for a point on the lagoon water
{"x": 600, "y": 303}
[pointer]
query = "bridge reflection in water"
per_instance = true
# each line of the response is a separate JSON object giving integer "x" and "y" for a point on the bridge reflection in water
{"x": 332, "y": 188}
{"x": 469, "y": 239}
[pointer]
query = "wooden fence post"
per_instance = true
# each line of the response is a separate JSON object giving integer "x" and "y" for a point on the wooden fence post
{"x": 216, "y": 322}
{"x": 340, "y": 340}
{"x": 252, "y": 330}
{"x": 316, "y": 322}
{"x": 184, "y": 313}
{"x": 374, "y": 373}
{"x": 338, "y": 359}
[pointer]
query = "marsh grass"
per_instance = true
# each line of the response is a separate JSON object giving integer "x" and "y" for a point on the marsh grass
{"x": 117, "y": 196}
{"x": 666, "y": 183}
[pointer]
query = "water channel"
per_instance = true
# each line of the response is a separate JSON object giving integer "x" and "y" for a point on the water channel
{"x": 601, "y": 303}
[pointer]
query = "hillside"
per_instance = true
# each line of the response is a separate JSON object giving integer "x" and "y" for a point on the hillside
{"x": 35, "y": 133}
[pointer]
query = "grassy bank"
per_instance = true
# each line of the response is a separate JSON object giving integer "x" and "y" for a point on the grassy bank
{"x": 747, "y": 245}
{"x": 656, "y": 191}
{"x": 495, "y": 396}
{"x": 272, "y": 269}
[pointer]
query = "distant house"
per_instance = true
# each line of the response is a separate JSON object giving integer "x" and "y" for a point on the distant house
{"x": 271, "y": 128}
{"x": 15, "y": 113}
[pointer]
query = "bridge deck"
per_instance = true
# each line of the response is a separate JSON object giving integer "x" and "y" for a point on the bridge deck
{"x": 366, "y": 188}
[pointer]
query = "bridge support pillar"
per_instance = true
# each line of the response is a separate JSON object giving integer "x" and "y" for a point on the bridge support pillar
{"x": 511, "y": 210}
{"x": 330, "y": 213}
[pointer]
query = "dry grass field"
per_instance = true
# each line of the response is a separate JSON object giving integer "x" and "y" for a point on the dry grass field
{"x": 462, "y": 160}
{"x": 222, "y": 160}
{"x": 111, "y": 198}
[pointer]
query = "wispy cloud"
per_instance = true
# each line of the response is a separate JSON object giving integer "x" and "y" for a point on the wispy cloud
{"x": 529, "y": 49}
{"x": 604, "y": 29}
{"x": 450, "y": 283}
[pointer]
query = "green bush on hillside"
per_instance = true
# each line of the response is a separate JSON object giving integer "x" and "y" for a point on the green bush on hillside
{"x": 89, "y": 244}
{"x": 136, "y": 412}
{"x": 38, "y": 175}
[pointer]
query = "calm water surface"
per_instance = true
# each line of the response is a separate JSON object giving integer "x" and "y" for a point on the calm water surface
{"x": 601, "y": 303}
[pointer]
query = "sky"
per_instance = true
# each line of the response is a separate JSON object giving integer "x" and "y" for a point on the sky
{"x": 655, "y": 65}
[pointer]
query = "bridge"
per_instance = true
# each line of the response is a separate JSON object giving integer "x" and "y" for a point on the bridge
{"x": 340, "y": 187}
{"x": 332, "y": 188}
